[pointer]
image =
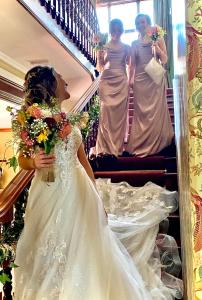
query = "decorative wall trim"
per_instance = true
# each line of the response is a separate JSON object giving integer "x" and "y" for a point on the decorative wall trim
{"x": 5, "y": 129}
{"x": 9, "y": 97}
{"x": 10, "y": 91}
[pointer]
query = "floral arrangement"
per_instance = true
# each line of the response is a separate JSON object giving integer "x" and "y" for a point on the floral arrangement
{"x": 154, "y": 33}
{"x": 99, "y": 41}
{"x": 37, "y": 127}
{"x": 85, "y": 120}
{"x": 41, "y": 127}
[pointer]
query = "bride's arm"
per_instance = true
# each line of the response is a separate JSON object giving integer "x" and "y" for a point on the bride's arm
{"x": 85, "y": 163}
{"x": 39, "y": 161}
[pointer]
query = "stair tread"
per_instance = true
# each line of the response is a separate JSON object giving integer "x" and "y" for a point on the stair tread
{"x": 135, "y": 172}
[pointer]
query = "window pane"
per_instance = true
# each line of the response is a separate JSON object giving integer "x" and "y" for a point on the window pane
{"x": 146, "y": 7}
{"x": 102, "y": 14}
{"x": 126, "y": 13}
{"x": 128, "y": 38}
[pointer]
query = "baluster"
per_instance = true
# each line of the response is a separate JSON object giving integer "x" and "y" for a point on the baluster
{"x": 71, "y": 20}
{"x": 89, "y": 31}
{"x": 42, "y": 2}
{"x": 95, "y": 31}
{"x": 53, "y": 8}
{"x": 67, "y": 18}
{"x": 62, "y": 14}
{"x": 75, "y": 22}
{"x": 86, "y": 27}
{"x": 79, "y": 24}
{"x": 82, "y": 25}
{"x": 58, "y": 6}
{"x": 91, "y": 22}
{"x": 48, "y": 5}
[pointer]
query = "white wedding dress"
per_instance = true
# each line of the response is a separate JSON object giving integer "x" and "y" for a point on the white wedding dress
{"x": 68, "y": 251}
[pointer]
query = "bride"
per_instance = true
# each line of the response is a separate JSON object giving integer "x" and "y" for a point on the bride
{"x": 68, "y": 250}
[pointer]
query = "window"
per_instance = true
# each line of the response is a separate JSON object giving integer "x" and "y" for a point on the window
{"x": 146, "y": 7}
{"x": 127, "y": 14}
{"x": 103, "y": 18}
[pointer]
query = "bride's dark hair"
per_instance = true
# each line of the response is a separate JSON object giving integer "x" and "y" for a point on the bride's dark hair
{"x": 40, "y": 85}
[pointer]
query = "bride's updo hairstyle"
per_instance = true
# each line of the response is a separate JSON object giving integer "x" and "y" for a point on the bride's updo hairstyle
{"x": 40, "y": 85}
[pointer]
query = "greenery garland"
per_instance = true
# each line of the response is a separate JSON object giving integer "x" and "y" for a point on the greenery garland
{"x": 11, "y": 232}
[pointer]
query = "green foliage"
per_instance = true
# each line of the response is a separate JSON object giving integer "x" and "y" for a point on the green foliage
{"x": 9, "y": 237}
{"x": 4, "y": 278}
{"x": 93, "y": 113}
{"x": 13, "y": 162}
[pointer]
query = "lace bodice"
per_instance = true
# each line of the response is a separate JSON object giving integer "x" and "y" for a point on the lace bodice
{"x": 66, "y": 157}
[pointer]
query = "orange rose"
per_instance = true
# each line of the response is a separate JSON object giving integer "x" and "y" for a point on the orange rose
{"x": 65, "y": 131}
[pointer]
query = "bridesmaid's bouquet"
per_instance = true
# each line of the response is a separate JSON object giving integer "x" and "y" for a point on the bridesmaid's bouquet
{"x": 99, "y": 41}
{"x": 154, "y": 33}
{"x": 38, "y": 127}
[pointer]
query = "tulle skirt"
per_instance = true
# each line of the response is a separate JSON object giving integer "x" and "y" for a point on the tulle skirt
{"x": 68, "y": 249}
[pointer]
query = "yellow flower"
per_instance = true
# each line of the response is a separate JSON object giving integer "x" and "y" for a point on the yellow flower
{"x": 83, "y": 125}
{"x": 21, "y": 118}
{"x": 43, "y": 136}
{"x": 161, "y": 31}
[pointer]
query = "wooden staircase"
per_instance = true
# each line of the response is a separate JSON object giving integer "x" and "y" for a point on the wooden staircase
{"x": 160, "y": 169}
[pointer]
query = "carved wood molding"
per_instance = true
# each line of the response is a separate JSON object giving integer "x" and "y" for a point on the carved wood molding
{"x": 10, "y": 91}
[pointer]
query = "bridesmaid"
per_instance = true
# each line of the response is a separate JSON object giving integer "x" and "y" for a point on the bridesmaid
{"x": 113, "y": 92}
{"x": 151, "y": 128}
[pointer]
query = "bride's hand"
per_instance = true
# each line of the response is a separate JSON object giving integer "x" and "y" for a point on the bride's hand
{"x": 42, "y": 160}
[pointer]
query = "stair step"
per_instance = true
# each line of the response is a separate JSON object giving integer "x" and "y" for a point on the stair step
{"x": 174, "y": 226}
{"x": 108, "y": 163}
{"x": 139, "y": 178}
{"x": 169, "y": 91}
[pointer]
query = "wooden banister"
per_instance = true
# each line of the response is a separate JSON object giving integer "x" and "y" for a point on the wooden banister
{"x": 87, "y": 96}
{"x": 13, "y": 190}
{"x": 79, "y": 21}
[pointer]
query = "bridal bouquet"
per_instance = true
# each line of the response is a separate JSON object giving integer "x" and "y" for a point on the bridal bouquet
{"x": 38, "y": 127}
{"x": 154, "y": 33}
{"x": 99, "y": 41}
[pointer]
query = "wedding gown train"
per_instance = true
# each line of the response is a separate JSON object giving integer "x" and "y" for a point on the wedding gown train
{"x": 68, "y": 251}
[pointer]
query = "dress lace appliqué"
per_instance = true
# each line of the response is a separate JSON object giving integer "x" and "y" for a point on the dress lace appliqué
{"x": 66, "y": 157}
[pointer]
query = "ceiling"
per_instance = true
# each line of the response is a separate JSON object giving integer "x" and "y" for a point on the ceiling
{"x": 24, "y": 40}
